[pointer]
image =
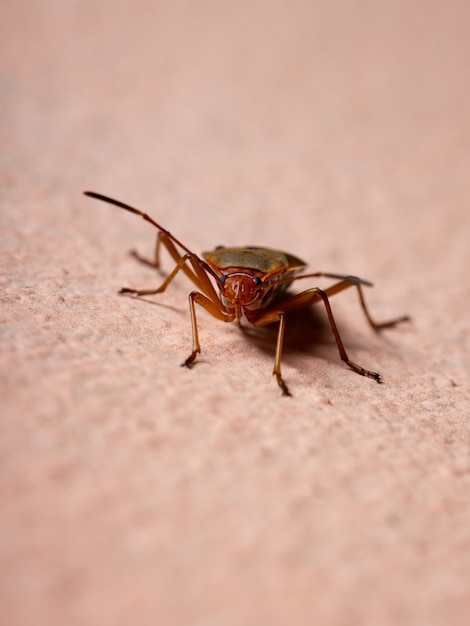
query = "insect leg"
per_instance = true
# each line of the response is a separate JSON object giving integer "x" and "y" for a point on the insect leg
{"x": 147, "y": 292}
{"x": 355, "y": 281}
{"x": 191, "y": 265}
{"x": 215, "y": 308}
{"x": 349, "y": 282}
{"x": 163, "y": 240}
{"x": 269, "y": 317}
{"x": 311, "y": 296}
{"x": 379, "y": 325}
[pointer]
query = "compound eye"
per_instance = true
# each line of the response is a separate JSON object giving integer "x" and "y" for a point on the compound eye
{"x": 222, "y": 279}
{"x": 257, "y": 280}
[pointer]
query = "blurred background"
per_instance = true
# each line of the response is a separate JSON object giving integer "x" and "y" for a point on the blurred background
{"x": 135, "y": 491}
{"x": 254, "y": 113}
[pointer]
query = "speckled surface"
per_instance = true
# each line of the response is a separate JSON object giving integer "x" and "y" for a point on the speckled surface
{"x": 134, "y": 491}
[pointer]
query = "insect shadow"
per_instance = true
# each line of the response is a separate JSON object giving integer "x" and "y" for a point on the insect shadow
{"x": 158, "y": 303}
{"x": 307, "y": 331}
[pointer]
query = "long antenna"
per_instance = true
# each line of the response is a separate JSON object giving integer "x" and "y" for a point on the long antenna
{"x": 143, "y": 215}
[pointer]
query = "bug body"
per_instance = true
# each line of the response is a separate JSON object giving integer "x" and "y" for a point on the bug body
{"x": 250, "y": 276}
{"x": 248, "y": 283}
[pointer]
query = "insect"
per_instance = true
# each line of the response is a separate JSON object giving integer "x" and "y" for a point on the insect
{"x": 249, "y": 282}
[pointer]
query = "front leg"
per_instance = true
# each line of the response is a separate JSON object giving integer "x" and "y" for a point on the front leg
{"x": 212, "y": 306}
{"x": 270, "y": 317}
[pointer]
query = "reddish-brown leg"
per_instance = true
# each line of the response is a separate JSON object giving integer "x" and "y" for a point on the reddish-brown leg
{"x": 314, "y": 295}
{"x": 379, "y": 325}
{"x": 270, "y": 317}
{"x": 215, "y": 308}
{"x": 354, "y": 281}
{"x": 190, "y": 264}
{"x": 307, "y": 298}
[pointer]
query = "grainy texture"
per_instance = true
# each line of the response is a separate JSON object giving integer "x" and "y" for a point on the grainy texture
{"x": 134, "y": 491}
